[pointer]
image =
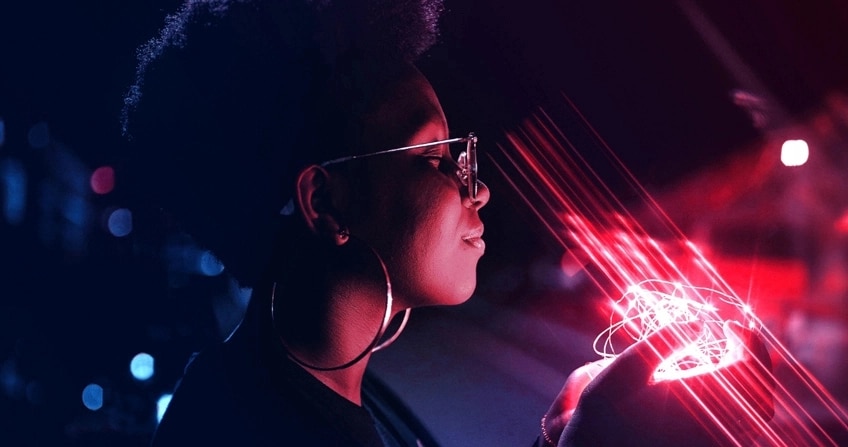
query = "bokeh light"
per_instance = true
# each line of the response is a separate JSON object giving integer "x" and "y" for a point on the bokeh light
{"x": 13, "y": 181}
{"x": 841, "y": 224}
{"x": 120, "y": 222}
{"x": 210, "y": 265}
{"x": 162, "y": 405}
{"x": 2, "y": 132}
{"x": 794, "y": 152}
{"x": 103, "y": 180}
{"x": 92, "y": 396}
{"x": 141, "y": 366}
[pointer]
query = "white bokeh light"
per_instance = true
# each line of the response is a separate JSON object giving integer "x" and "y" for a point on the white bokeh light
{"x": 794, "y": 152}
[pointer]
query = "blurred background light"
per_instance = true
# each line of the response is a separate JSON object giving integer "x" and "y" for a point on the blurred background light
{"x": 162, "y": 405}
{"x": 11, "y": 382}
{"x": 13, "y": 179}
{"x": 210, "y": 265}
{"x": 75, "y": 209}
{"x": 120, "y": 222}
{"x": 842, "y": 223}
{"x": 2, "y": 132}
{"x": 794, "y": 152}
{"x": 184, "y": 256}
{"x": 103, "y": 180}
{"x": 39, "y": 135}
{"x": 92, "y": 396}
{"x": 141, "y": 366}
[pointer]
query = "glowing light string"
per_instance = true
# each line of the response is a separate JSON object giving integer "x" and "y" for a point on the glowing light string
{"x": 654, "y": 304}
{"x": 655, "y": 277}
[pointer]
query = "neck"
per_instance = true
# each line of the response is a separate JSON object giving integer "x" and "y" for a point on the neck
{"x": 345, "y": 382}
{"x": 335, "y": 334}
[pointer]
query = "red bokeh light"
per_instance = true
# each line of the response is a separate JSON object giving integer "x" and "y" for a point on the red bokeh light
{"x": 103, "y": 180}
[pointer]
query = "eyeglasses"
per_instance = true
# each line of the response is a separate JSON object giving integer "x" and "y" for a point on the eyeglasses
{"x": 466, "y": 161}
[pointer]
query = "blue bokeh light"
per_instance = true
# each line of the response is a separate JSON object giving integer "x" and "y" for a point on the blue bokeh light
{"x": 2, "y": 132}
{"x": 13, "y": 181}
{"x": 92, "y": 396}
{"x": 210, "y": 265}
{"x": 120, "y": 222}
{"x": 75, "y": 209}
{"x": 141, "y": 366}
{"x": 162, "y": 405}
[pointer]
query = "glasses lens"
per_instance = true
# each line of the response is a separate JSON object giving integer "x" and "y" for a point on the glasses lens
{"x": 471, "y": 165}
{"x": 467, "y": 163}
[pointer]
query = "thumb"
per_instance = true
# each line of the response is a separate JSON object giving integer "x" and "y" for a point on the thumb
{"x": 750, "y": 342}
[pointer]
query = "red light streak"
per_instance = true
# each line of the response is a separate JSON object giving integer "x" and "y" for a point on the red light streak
{"x": 651, "y": 284}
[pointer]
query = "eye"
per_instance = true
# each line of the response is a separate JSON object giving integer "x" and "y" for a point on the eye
{"x": 434, "y": 160}
{"x": 435, "y": 156}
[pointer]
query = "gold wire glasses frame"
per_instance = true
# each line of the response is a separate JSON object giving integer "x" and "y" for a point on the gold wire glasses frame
{"x": 466, "y": 161}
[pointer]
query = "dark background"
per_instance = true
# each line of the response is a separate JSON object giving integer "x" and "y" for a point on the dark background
{"x": 76, "y": 303}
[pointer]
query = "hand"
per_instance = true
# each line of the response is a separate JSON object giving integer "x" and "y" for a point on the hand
{"x": 620, "y": 404}
{"x": 564, "y": 405}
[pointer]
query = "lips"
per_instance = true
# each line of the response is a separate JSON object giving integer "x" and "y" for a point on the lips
{"x": 474, "y": 238}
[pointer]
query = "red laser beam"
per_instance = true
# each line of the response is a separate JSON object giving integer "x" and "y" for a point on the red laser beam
{"x": 654, "y": 277}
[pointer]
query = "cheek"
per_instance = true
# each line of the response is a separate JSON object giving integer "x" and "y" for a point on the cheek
{"x": 416, "y": 224}
{"x": 439, "y": 268}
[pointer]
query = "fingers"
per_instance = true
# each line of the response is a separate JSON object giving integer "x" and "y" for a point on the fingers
{"x": 575, "y": 384}
{"x": 752, "y": 346}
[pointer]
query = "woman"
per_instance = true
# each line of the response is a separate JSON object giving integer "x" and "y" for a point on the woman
{"x": 294, "y": 139}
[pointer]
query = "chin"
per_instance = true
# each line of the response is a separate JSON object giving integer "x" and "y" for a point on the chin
{"x": 463, "y": 293}
{"x": 458, "y": 293}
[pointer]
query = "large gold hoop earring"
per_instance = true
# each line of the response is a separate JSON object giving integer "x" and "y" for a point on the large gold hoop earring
{"x": 375, "y": 344}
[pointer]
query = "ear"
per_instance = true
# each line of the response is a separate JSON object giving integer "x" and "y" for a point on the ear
{"x": 315, "y": 201}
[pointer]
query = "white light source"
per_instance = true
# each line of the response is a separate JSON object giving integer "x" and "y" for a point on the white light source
{"x": 794, "y": 152}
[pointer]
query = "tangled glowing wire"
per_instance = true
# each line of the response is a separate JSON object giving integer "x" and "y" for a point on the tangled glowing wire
{"x": 653, "y": 304}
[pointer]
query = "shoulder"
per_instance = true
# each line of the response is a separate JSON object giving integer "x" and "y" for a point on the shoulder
{"x": 225, "y": 398}
{"x": 203, "y": 409}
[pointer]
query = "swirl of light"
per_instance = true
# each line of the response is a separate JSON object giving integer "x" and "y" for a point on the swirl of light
{"x": 654, "y": 304}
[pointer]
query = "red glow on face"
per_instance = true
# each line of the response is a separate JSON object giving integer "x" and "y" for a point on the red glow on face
{"x": 103, "y": 180}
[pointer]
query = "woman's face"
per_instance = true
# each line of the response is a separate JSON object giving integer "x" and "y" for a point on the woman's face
{"x": 417, "y": 214}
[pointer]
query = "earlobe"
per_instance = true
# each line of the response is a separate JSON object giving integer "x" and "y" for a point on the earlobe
{"x": 315, "y": 202}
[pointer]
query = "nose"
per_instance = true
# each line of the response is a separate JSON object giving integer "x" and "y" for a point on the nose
{"x": 482, "y": 199}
